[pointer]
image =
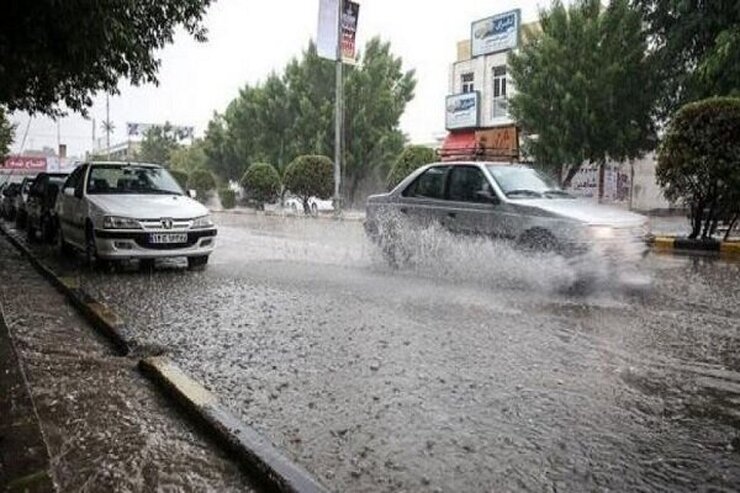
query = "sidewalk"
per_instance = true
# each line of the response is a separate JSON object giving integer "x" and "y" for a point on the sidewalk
{"x": 105, "y": 426}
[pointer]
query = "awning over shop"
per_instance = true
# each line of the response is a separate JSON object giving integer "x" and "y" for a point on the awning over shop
{"x": 459, "y": 145}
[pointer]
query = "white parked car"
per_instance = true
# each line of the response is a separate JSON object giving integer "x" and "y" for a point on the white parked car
{"x": 315, "y": 204}
{"x": 119, "y": 211}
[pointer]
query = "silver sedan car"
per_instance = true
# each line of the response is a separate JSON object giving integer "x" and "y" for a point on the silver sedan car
{"x": 508, "y": 201}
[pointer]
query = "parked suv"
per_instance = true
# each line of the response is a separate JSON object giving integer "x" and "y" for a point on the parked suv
{"x": 117, "y": 211}
{"x": 40, "y": 214}
{"x": 508, "y": 201}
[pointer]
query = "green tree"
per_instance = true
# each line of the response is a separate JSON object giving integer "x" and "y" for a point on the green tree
{"x": 412, "y": 158}
{"x": 584, "y": 87}
{"x": 188, "y": 158}
{"x": 52, "y": 52}
{"x": 202, "y": 182}
{"x": 261, "y": 183}
{"x": 310, "y": 176}
{"x": 293, "y": 114}
{"x": 699, "y": 162}
{"x": 7, "y": 131}
{"x": 158, "y": 144}
{"x": 694, "y": 48}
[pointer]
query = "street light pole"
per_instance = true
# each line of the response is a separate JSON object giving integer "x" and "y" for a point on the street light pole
{"x": 338, "y": 112}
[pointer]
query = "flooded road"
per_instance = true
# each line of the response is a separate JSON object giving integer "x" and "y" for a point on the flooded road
{"x": 471, "y": 370}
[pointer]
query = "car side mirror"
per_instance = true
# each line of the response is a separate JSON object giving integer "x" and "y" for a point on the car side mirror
{"x": 69, "y": 192}
{"x": 487, "y": 196}
{"x": 192, "y": 194}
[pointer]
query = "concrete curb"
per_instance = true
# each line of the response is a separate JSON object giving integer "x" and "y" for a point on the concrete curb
{"x": 685, "y": 245}
{"x": 261, "y": 458}
{"x": 321, "y": 217}
{"x": 257, "y": 453}
{"x": 99, "y": 315}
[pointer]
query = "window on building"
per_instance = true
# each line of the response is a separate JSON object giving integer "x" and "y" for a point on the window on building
{"x": 468, "y": 82}
{"x": 500, "y": 101}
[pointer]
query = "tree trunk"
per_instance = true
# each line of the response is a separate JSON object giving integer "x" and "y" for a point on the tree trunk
{"x": 602, "y": 165}
{"x": 730, "y": 226}
{"x": 697, "y": 211}
{"x": 306, "y": 206}
{"x": 572, "y": 171}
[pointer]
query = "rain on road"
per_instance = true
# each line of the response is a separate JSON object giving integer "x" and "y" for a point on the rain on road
{"x": 472, "y": 370}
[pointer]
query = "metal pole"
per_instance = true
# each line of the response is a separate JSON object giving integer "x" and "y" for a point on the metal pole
{"x": 107, "y": 125}
{"x": 338, "y": 113}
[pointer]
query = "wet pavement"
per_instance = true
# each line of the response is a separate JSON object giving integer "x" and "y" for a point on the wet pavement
{"x": 473, "y": 369}
{"x": 105, "y": 426}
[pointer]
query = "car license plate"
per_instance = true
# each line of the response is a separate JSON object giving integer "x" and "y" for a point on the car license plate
{"x": 168, "y": 238}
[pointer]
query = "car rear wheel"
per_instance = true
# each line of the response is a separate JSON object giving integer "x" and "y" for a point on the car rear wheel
{"x": 196, "y": 262}
{"x": 315, "y": 209}
{"x": 30, "y": 232}
{"x": 64, "y": 247}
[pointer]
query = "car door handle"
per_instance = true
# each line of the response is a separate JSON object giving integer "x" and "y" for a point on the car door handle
{"x": 453, "y": 215}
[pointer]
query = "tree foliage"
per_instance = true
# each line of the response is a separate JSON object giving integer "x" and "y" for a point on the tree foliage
{"x": 261, "y": 183}
{"x": 202, "y": 182}
{"x": 65, "y": 51}
{"x": 188, "y": 158}
{"x": 181, "y": 177}
{"x": 227, "y": 197}
{"x": 310, "y": 176}
{"x": 412, "y": 158}
{"x": 7, "y": 131}
{"x": 158, "y": 144}
{"x": 584, "y": 87}
{"x": 293, "y": 114}
{"x": 695, "y": 49}
{"x": 699, "y": 162}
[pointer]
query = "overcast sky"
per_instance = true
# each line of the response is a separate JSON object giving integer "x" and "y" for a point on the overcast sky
{"x": 248, "y": 39}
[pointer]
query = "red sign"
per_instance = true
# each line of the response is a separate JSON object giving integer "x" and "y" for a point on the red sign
{"x": 25, "y": 163}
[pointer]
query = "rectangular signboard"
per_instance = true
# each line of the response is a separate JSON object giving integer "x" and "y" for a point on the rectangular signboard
{"x": 350, "y": 14}
{"x": 462, "y": 110}
{"x": 497, "y": 33}
{"x": 326, "y": 37}
{"x": 25, "y": 163}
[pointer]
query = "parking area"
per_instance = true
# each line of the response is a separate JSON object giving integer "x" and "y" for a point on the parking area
{"x": 474, "y": 369}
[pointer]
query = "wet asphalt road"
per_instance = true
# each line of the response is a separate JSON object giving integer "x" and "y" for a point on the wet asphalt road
{"x": 471, "y": 370}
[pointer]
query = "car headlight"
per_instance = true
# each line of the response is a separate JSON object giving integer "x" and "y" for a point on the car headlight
{"x": 602, "y": 232}
{"x": 116, "y": 222}
{"x": 202, "y": 222}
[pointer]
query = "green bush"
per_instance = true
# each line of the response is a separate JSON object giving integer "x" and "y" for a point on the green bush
{"x": 699, "y": 162}
{"x": 310, "y": 176}
{"x": 411, "y": 158}
{"x": 202, "y": 182}
{"x": 180, "y": 177}
{"x": 227, "y": 197}
{"x": 261, "y": 183}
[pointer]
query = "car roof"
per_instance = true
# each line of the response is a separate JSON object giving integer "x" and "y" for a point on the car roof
{"x": 122, "y": 163}
{"x": 477, "y": 163}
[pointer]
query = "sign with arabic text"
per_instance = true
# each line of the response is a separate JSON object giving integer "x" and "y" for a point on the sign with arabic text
{"x": 497, "y": 33}
{"x": 462, "y": 110}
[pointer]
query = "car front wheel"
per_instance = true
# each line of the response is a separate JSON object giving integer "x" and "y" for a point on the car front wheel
{"x": 196, "y": 262}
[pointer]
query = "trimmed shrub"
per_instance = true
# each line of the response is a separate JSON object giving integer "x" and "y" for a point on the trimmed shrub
{"x": 202, "y": 182}
{"x": 310, "y": 176}
{"x": 699, "y": 162}
{"x": 261, "y": 183}
{"x": 410, "y": 159}
{"x": 227, "y": 197}
{"x": 180, "y": 177}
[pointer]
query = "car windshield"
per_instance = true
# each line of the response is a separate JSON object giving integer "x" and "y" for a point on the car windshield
{"x": 131, "y": 179}
{"x": 524, "y": 182}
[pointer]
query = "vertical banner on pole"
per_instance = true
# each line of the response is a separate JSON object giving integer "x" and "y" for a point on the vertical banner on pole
{"x": 327, "y": 37}
{"x": 350, "y": 13}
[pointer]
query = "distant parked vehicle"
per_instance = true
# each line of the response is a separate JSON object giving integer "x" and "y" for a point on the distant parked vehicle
{"x": 315, "y": 205}
{"x": 508, "y": 201}
{"x": 118, "y": 211}
{"x": 10, "y": 192}
{"x": 20, "y": 201}
{"x": 42, "y": 197}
